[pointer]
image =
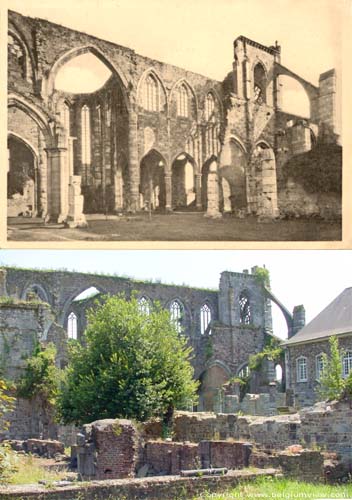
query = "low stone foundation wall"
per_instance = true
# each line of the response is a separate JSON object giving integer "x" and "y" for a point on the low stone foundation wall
{"x": 165, "y": 457}
{"x": 305, "y": 465}
{"x": 41, "y": 447}
{"x": 108, "y": 449}
{"x": 327, "y": 426}
{"x": 151, "y": 488}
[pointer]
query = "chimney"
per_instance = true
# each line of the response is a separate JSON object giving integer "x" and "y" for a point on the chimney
{"x": 299, "y": 319}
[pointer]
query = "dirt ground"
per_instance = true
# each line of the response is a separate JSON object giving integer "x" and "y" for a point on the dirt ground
{"x": 176, "y": 227}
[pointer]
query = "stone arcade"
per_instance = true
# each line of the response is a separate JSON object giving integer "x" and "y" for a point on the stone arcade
{"x": 224, "y": 327}
{"x": 155, "y": 136}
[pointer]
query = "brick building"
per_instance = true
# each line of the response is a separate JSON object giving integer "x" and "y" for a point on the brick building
{"x": 304, "y": 348}
{"x": 157, "y": 136}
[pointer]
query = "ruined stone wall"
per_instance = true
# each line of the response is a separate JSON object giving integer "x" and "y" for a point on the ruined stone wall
{"x": 327, "y": 426}
{"x": 305, "y": 393}
{"x": 22, "y": 326}
{"x": 225, "y": 347}
{"x": 39, "y": 48}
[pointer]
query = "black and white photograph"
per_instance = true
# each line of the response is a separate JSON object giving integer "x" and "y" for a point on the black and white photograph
{"x": 174, "y": 121}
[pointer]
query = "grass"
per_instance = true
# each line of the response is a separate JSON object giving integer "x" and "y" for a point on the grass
{"x": 30, "y": 470}
{"x": 178, "y": 227}
{"x": 284, "y": 489}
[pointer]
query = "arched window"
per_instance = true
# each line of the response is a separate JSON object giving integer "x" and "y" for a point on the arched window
{"x": 16, "y": 53}
{"x": 205, "y": 318}
{"x": 151, "y": 94}
{"x": 319, "y": 366}
{"x": 144, "y": 306}
{"x": 209, "y": 106}
{"x": 245, "y": 309}
{"x": 243, "y": 372}
{"x": 72, "y": 326}
{"x": 259, "y": 84}
{"x": 85, "y": 137}
{"x": 65, "y": 117}
{"x": 302, "y": 373}
{"x": 347, "y": 364}
{"x": 182, "y": 100}
{"x": 176, "y": 313}
{"x": 278, "y": 373}
{"x": 36, "y": 292}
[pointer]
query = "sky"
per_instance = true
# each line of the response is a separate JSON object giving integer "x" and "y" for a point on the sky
{"x": 309, "y": 277}
{"x": 198, "y": 34}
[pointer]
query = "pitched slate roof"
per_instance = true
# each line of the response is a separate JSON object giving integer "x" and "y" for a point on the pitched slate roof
{"x": 335, "y": 319}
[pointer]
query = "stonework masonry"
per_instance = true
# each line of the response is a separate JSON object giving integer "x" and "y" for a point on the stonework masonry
{"x": 306, "y": 392}
{"x": 226, "y": 149}
{"x": 104, "y": 453}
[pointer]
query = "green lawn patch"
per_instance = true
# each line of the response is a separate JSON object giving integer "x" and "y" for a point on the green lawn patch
{"x": 284, "y": 489}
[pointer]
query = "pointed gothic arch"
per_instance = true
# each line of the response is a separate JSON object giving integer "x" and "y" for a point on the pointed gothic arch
{"x": 49, "y": 83}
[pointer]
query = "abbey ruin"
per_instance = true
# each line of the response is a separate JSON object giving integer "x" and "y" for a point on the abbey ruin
{"x": 159, "y": 137}
{"x": 223, "y": 327}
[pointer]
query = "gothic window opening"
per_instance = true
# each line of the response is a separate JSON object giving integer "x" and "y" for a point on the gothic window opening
{"x": 72, "y": 326}
{"x": 205, "y": 319}
{"x": 245, "y": 309}
{"x": 85, "y": 137}
{"x": 209, "y": 106}
{"x": 151, "y": 93}
{"x": 17, "y": 53}
{"x": 259, "y": 95}
{"x": 347, "y": 364}
{"x": 144, "y": 306}
{"x": 244, "y": 372}
{"x": 302, "y": 373}
{"x": 176, "y": 314}
{"x": 319, "y": 366}
{"x": 182, "y": 101}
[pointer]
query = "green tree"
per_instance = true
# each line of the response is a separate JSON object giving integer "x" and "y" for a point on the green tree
{"x": 332, "y": 384}
{"x": 132, "y": 364}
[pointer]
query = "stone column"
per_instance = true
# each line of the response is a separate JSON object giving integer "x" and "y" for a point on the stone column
{"x": 248, "y": 79}
{"x": 70, "y": 155}
{"x": 213, "y": 192}
{"x": 168, "y": 190}
{"x": 133, "y": 165}
{"x": 58, "y": 182}
{"x": 238, "y": 69}
{"x": 198, "y": 190}
{"x": 76, "y": 216}
{"x": 327, "y": 100}
{"x": 268, "y": 206}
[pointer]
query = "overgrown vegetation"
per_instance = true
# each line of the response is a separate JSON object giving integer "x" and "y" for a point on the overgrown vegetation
{"x": 7, "y": 457}
{"x": 41, "y": 376}
{"x": 132, "y": 365}
{"x": 262, "y": 275}
{"x": 30, "y": 470}
{"x": 332, "y": 384}
{"x": 272, "y": 351}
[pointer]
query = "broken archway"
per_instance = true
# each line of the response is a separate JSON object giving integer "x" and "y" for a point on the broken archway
{"x": 22, "y": 179}
{"x": 152, "y": 181}
{"x": 211, "y": 381}
{"x": 232, "y": 171}
{"x": 183, "y": 182}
